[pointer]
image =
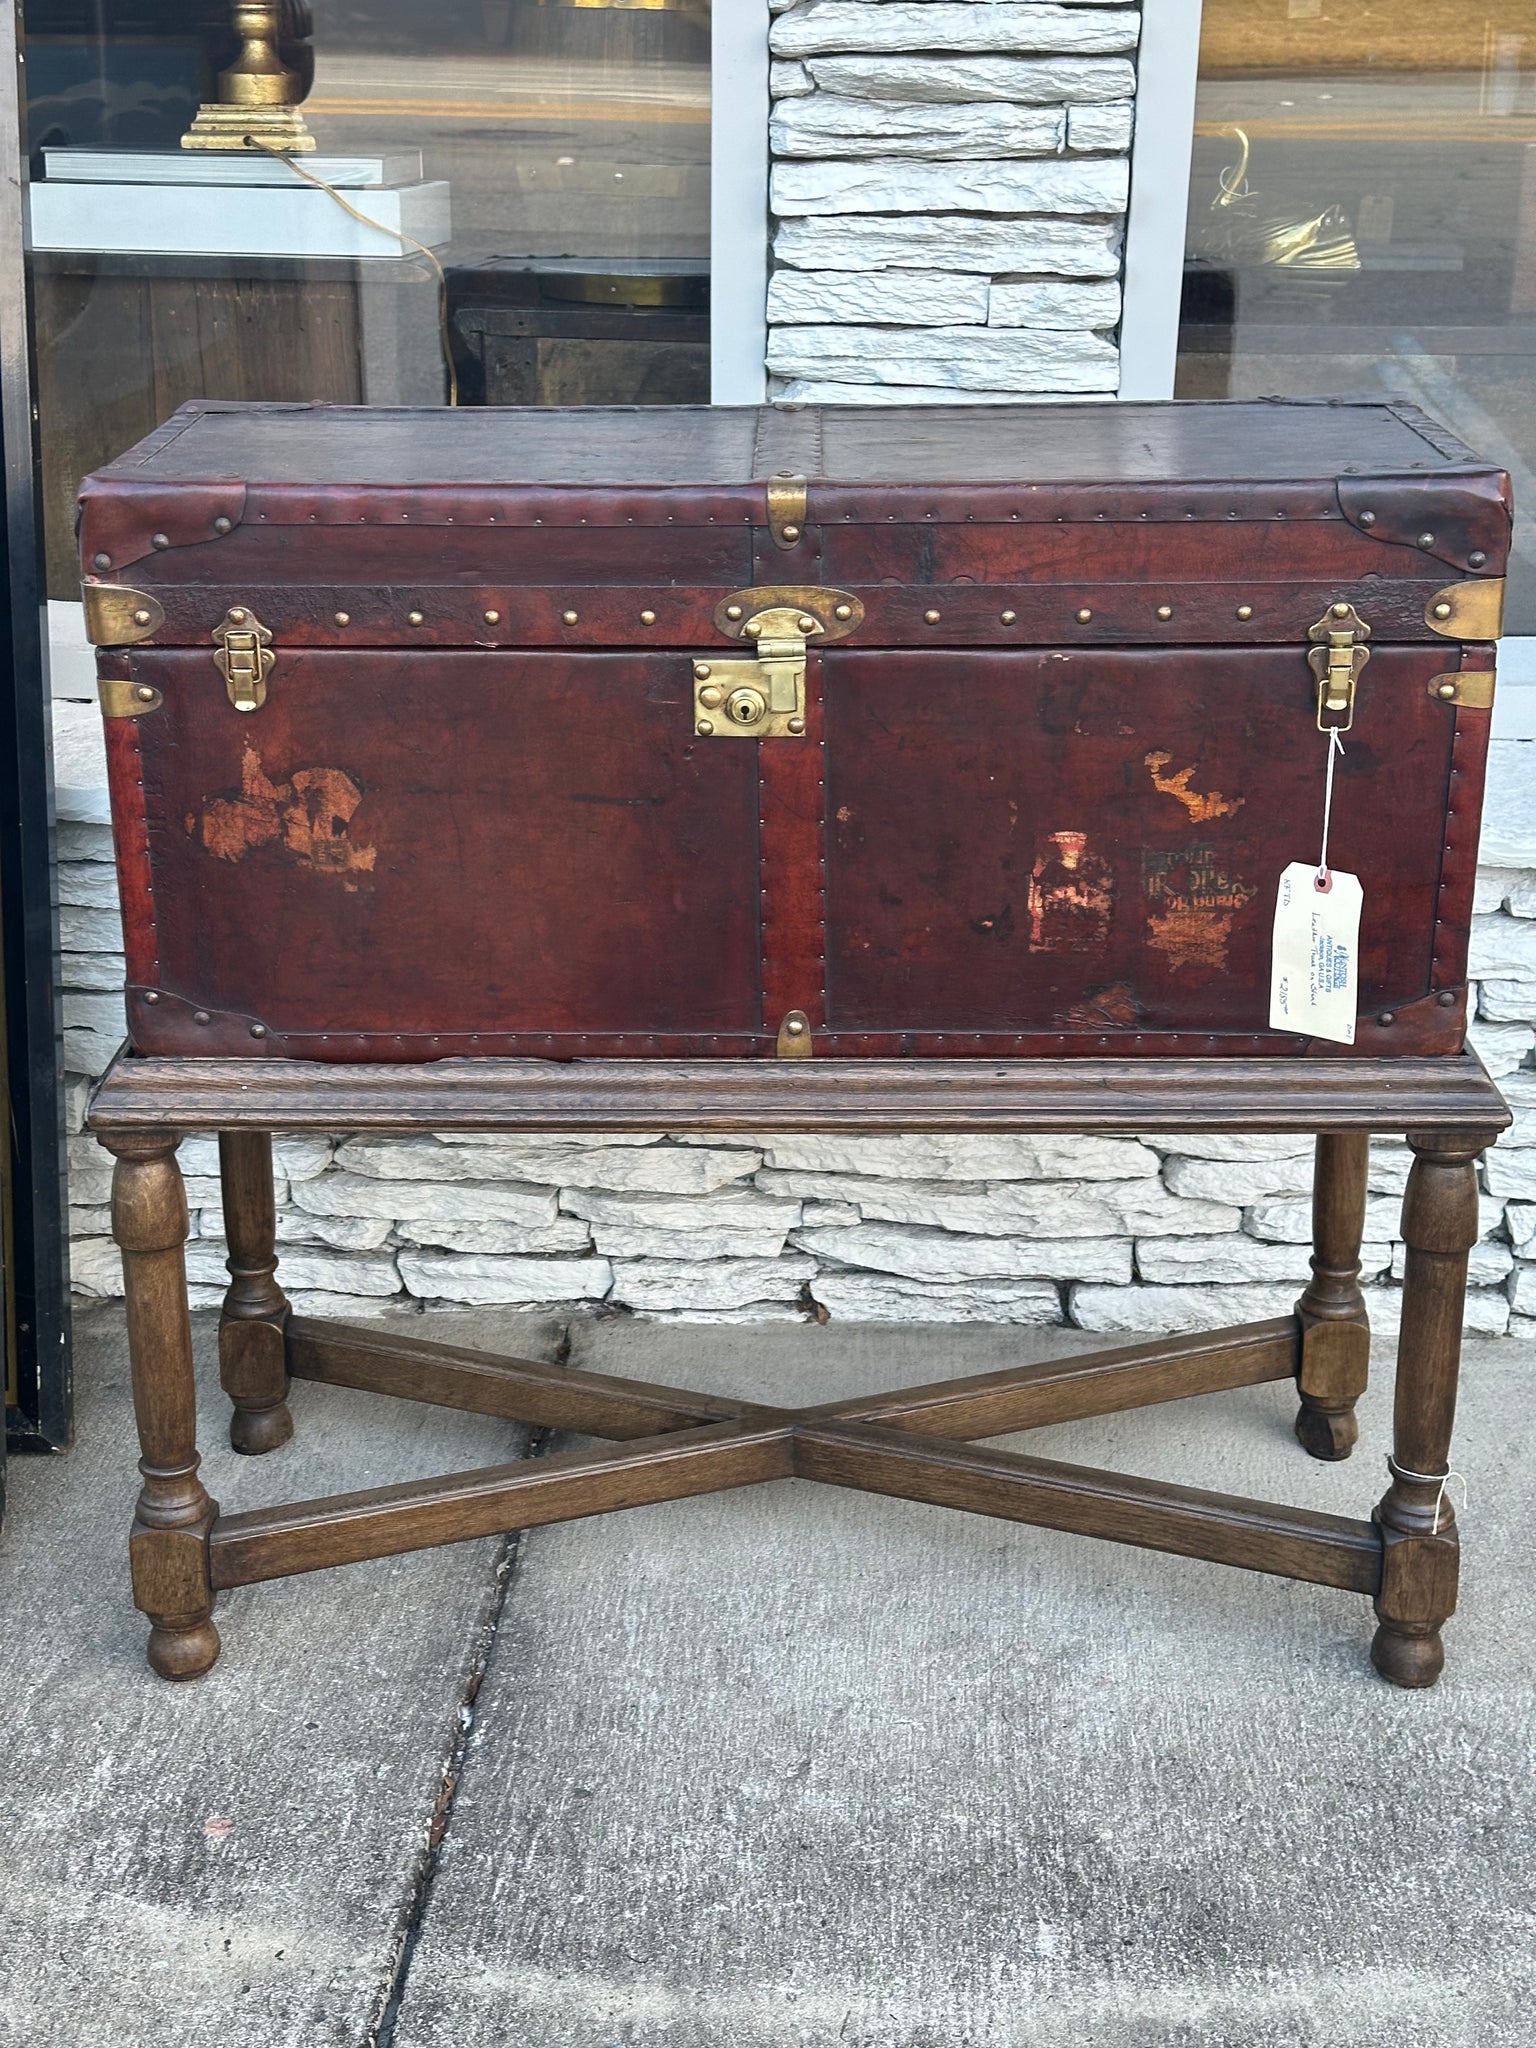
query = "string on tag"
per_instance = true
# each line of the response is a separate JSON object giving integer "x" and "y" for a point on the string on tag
{"x": 1440, "y": 1479}
{"x": 1335, "y": 748}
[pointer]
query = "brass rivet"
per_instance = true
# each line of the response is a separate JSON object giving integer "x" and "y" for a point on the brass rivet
{"x": 258, "y": 1031}
{"x": 569, "y": 618}
{"x": 151, "y": 995}
{"x": 1084, "y": 616}
{"x": 1442, "y": 610}
{"x": 733, "y": 611}
{"x": 704, "y": 726}
{"x": 1426, "y": 540}
{"x": 1165, "y": 611}
{"x": 141, "y": 618}
{"x": 1367, "y": 518}
{"x": 1341, "y": 611}
{"x": 1245, "y": 611}
{"x": 806, "y": 623}
{"x": 841, "y": 611}
{"x": 493, "y": 618}
{"x": 101, "y": 561}
{"x": 931, "y": 618}
{"x": 647, "y": 618}
{"x": 145, "y": 694}
{"x": 701, "y": 671}
{"x": 200, "y": 1017}
{"x": 417, "y": 619}
{"x": 794, "y": 1026}
{"x": 752, "y": 628}
{"x": 1387, "y": 1017}
{"x": 1446, "y": 999}
{"x": 795, "y": 724}
{"x": 1476, "y": 559}
{"x": 1008, "y": 618}
{"x": 222, "y": 525}
{"x": 160, "y": 540}
{"x": 1446, "y": 690}
{"x": 239, "y": 614}
{"x": 711, "y": 695}
{"x": 791, "y": 532}
{"x": 343, "y": 618}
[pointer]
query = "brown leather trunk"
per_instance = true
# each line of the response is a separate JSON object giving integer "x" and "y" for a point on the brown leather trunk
{"x": 406, "y": 723}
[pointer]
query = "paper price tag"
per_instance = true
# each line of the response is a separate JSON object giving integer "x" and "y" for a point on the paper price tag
{"x": 1314, "y": 980}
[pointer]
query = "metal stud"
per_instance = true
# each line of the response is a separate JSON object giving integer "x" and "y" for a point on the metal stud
{"x": 931, "y": 618}
{"x": 705, "y": 726}
{"x": 145, "y": 694}
{"x": 239, "y": 614}
{"x": 101, "y": 561}
{"x": 417, "y": 619}
{"x": 201, "y": 1017}
{"x": 733, "y": 611}
{"x": 1084, "y": 616}
{"x": 647, "y": 618}
{"x": 141, "y": 618}
{"x": 258, "y": 1031}
{"x": 701, "y": 671}
{"x": 151, "y": 995}
{"x": 1245, "y": 611}
{"x": 1165, "y": 611}
{"x": 1340, "y": 610}
{"x": 569, "y": 618}
{"x": 794, "y": 724}
{"x": 790, "y": 532}
{"x": 1446, "y": 690}
{"x": 1442, "y": 610}
{"x": 493, "y": 618}
{"x": 794, "y": 1026}
{"x": 806, "y": 624}
{"x": 1446, "y": 999}
{"x": 711, "y": 695}
{"x": 1426, "y": 540}
{"x": 1387, "y": 1017}
{"x": 1367, "y": 518}
{"x": 343, "y": 618}
{"x": 1476, "y": 559}
{"x": 1007, "y": 618}
{"x": 840, "y": 611}
{"x": 159, "y": 540}
{"x": 222, "y": 525}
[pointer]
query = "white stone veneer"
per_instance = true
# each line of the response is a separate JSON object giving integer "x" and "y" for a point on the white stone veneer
{"x": 949, "y": 190}
{"x": 1114, "y": 1234}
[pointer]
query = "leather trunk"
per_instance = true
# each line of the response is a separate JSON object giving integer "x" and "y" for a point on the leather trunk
{"x": 693, "y": 732}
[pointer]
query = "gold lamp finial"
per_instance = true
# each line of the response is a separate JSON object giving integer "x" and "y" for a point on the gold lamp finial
{"x": 259, "y": 95}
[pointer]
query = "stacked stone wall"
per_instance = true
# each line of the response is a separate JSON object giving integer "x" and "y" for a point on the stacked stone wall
{"x": 949, "y": 190}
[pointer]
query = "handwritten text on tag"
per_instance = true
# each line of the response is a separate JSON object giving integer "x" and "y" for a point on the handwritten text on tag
{"x": 1315, "y": 979}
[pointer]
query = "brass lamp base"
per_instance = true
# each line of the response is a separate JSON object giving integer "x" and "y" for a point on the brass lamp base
{"x": 249, "y": 128}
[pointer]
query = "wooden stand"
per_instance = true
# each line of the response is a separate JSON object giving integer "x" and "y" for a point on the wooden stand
{"x": 920, "y": 1443}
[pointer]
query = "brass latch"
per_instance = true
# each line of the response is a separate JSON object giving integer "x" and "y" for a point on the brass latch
{"x": 1337, "y": 656}
{"x": 243, "y": 654}
{"x": 764, "y": 698}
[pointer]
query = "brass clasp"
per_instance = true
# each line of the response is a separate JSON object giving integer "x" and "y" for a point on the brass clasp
{"x": 243, "y": 655}
{"x": 763, "y": 698}
{"x": 1337, "y": 656}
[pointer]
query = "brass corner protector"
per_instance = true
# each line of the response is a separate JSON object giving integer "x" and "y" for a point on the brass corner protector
{"x": 794, "y": 1040}
{"x": 123, "y": 699}
{"x": 1472, "y": 687}
{"x": 116, "y": 616}
{"x": 788, "y": 503}
{"x": 1472, "y": 610}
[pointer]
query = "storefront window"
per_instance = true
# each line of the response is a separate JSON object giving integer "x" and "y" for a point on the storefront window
{"x": 1363, "y": 218}
{"x": 535, "y": 179}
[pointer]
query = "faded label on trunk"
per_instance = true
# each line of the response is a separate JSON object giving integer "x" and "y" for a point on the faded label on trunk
{"x": 1314, "y": 979}
{"x": 309, "y": 816}
{"x": 1071, "y": 896}
{"x": 1191, "y": 902}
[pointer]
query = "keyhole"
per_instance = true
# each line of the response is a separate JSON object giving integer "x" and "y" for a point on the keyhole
{"x": 745, "y": 707}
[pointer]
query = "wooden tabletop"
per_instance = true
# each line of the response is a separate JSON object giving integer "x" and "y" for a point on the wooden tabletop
{"x": 890, "y": 1096}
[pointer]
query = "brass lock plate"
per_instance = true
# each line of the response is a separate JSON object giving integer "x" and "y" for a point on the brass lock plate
{"x": 750, "y": 700}
{"x": 244, "y": 658}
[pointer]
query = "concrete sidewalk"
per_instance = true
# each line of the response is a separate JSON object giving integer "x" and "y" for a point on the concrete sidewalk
{"x": 765, "y": 1769}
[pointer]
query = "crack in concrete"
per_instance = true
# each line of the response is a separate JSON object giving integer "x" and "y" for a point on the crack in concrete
{"x": 381, "y": 2029}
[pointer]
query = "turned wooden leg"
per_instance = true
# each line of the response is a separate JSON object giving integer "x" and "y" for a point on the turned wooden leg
{"x": 168, "y": 1545}
{"x": 1415, "y": 1516}
{"x": 253, "y": 1330}
{"x": 1335, "y": 1335}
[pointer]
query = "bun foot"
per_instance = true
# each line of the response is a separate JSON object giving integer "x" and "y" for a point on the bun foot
{"x": 256, "y": 1430}
{"x": 1412, "y": 1661}
{"x": 1325, "y": 1434}
{"x": 178, "y": 1653}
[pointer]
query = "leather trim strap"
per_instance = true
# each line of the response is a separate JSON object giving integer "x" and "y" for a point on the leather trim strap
{"x": 793, "y": 867}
